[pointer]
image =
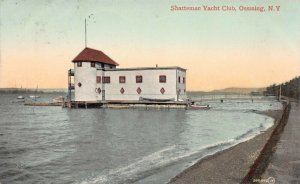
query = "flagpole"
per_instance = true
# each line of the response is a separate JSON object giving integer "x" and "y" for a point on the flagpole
{"x": 85, "y": 32}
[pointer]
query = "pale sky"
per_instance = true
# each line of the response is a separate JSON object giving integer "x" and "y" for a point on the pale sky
{"x": 219, "y": 49}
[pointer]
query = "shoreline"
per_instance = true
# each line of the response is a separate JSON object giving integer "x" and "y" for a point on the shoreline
{"x": 230, "y": 165}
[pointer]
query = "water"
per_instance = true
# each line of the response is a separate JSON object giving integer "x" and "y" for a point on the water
{"x": 55, "y": 145}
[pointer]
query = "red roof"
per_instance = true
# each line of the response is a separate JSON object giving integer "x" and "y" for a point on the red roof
{"x": 89, "y": 54}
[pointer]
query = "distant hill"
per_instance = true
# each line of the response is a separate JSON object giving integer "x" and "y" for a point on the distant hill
{"x": 232, "y": 90}
{"x": 239, "y": 90}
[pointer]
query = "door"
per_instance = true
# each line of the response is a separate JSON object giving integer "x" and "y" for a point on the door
{"x": 103, "y": 95}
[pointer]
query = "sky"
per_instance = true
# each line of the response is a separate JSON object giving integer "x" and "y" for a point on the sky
{"x": 219, "y": 49}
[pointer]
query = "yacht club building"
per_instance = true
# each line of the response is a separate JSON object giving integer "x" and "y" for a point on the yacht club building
{"x": 97, "y": 78}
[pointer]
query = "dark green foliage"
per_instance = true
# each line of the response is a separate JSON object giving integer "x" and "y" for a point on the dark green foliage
{"x": 290, "y": 89}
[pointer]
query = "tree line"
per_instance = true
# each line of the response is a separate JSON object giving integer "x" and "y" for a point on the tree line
{"x": 290, "y": 89}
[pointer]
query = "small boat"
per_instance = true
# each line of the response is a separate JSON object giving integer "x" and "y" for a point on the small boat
{"x": 196, "y": 105}
{"x": 20, "y": 98}
{"x": 34, "y": 96}
{"x": 157, "y": 100}
{"x": 204, "y": 107}
{"x": 58, "y": 99}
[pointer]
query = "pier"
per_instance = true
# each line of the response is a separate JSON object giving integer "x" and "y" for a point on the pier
{"x": 125, "y": 104}
{"x": 44, "y": 104}
{"x": 122, "y": 104}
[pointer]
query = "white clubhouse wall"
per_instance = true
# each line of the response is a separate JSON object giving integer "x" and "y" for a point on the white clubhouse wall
{"x": 86, "y": 76}
{"x": 150, "y": 86}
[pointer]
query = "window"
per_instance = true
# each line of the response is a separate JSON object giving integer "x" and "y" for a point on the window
{"x": 106, "y": 80}
{"x": 79, "y": 64}
{"x": 178, "y": 79}
{"x": 162, "y": 79}
{"x": 183, "y": 80}
{"x": 93, "y": 64}
{"x": 139, "y": 79}
{"x": 122, "y": 79}
{"x": 98, "y": 79}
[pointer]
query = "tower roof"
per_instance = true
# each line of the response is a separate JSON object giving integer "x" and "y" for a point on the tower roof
{"x": 88, "y": 54}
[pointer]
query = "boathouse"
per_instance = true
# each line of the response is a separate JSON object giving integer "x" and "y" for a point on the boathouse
{"x": 97, "y": 78}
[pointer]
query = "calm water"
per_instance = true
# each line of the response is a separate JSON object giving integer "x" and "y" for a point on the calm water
{"x": 55, "y": 145}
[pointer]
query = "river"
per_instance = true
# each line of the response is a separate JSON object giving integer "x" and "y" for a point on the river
{"x": 56, "y": 145}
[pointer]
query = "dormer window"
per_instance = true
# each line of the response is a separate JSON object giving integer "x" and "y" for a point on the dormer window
{"x": 93, "y": 64}
{"x": 79, "y": 64}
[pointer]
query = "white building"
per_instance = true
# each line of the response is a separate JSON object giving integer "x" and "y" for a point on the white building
{"x": 96, "y": 78}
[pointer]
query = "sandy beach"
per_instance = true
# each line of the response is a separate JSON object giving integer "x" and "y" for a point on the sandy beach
{"x": 231, "y": 165}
